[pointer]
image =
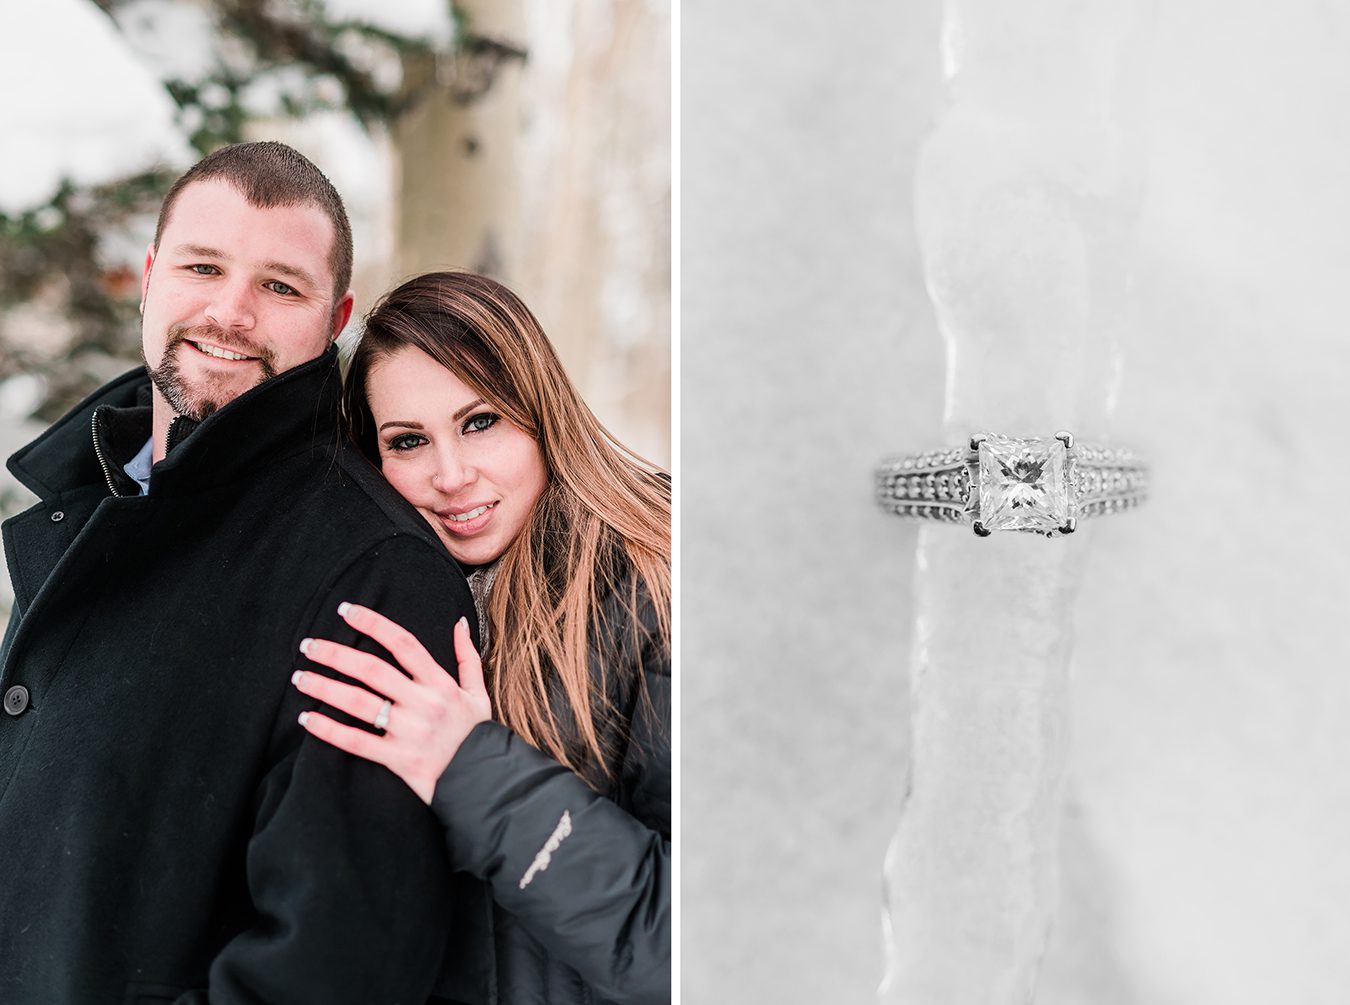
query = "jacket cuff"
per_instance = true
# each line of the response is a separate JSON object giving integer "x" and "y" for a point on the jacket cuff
{"x": 498, "y": 790}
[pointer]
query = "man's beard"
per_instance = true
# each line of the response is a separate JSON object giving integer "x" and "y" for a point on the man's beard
{"x": 196, "y": 400}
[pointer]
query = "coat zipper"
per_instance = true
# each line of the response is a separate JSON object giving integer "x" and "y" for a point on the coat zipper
{"x": 98, "y": 452}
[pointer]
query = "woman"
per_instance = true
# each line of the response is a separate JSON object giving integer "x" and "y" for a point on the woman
{"x": 549, "y": 767}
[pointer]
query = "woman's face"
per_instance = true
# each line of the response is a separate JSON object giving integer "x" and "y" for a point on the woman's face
{"x": 472, "y": 474}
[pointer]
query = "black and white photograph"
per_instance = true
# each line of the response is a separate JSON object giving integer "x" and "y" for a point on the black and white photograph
{"x": 922, "y": 766}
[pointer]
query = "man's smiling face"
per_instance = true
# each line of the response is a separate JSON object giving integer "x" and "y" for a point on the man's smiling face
{"x": 234, "y": 294}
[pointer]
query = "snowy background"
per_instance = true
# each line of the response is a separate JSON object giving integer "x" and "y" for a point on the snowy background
{"x": 1207, "y": 805}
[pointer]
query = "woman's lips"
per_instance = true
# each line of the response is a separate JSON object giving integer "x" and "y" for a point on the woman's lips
{"x": 469, "y": 520}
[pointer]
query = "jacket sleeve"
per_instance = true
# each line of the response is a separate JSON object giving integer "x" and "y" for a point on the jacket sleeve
{"x": 588, "y": 879}
{"x": 346, "y": 872}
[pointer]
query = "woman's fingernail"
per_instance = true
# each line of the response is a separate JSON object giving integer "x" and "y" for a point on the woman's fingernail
{"x": 305, "y": 644}
{"x": 304, "y": 718}
{"x": 463, "y": 622}
{"x": 343, "y": 608}
{"x": 295, "y": 677}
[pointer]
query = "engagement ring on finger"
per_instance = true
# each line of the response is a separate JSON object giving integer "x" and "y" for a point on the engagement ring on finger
{"x": 1006, "y": 483}
{"x": 382, "y": 717}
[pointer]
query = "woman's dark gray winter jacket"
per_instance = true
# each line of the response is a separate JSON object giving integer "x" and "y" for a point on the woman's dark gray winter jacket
{"x": 571, "y": 888}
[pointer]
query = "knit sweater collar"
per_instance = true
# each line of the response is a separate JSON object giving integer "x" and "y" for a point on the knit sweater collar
{"x": 481, "y": 581}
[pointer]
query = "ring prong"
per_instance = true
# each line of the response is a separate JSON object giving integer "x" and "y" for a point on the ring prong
{"x": 1070, "y": 525}
{"x": 1065, "y": 437}
{"x": 977, "y": 439}
{"x": 980, "y": 529}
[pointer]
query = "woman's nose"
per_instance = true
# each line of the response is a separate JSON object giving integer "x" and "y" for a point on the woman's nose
{"x": 452, "y": 472}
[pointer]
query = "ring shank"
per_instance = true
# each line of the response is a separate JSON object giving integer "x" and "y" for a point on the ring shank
{"x": 382, "y": 717}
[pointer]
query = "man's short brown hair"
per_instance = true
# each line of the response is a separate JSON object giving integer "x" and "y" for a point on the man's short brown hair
{"x": 272, "y": 174}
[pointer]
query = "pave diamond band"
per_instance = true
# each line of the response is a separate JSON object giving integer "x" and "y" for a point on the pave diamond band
{"x": 1007, "y": 483}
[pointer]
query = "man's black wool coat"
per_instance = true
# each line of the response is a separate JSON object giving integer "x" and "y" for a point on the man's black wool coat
{"x": 168, "y": 832}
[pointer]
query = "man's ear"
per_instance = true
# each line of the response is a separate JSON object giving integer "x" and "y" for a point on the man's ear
{"x": 145, "y": 272}
{"x": 342, "y": 313}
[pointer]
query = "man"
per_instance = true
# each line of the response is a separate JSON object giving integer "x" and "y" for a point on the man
{"x": 168, "y": 832}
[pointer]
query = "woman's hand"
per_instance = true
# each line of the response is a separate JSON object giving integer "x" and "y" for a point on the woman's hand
{"x": 425, "y": 719}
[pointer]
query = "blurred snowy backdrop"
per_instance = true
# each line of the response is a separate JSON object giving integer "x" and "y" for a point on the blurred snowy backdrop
{"x": 1207, "y": 804}
{"x": 529, "y": 139}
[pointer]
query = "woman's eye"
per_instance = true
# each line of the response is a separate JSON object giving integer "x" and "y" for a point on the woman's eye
{"x": 282, "y": 288}
{"x": 406, "y": 441}
{"x": 480, "y": 422}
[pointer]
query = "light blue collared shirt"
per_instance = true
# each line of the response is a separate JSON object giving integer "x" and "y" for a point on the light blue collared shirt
{"x": 139, "y": 466}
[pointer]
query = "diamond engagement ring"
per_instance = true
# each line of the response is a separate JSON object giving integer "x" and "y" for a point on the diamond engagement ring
{"x": 382, "y": 716}
{"x": 1006, "y": 483}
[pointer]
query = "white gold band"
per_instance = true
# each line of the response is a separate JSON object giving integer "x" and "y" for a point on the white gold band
{"x": 382, "y": 716}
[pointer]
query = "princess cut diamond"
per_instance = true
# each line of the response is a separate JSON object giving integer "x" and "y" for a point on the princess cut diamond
{"x": 1024, "y": 484}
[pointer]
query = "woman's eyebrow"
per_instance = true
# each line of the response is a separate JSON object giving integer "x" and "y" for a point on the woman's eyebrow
{"x": 466, "y": 410}
{"x": 409, "y": 424}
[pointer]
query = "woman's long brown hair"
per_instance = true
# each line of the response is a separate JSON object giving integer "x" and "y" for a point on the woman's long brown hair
{"x": 601, "y": 526}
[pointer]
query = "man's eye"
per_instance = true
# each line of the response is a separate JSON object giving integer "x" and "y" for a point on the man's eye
{"x": 282, "y": 288}
{"x": 480, "y": 422}
{"x": 204, "y": 270}
{"x": 406, "y": 441}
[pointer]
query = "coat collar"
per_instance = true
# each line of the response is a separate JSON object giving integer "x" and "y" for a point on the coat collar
{"x": 293, "y": 412}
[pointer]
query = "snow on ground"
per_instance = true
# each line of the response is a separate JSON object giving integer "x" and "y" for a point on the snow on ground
{"x": 91, "y": 112}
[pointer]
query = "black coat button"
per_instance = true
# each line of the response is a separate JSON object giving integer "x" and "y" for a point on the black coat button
{"x": 16, "y": 699}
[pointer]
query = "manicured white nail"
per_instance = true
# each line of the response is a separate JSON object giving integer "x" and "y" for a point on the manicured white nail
{"x": 463, "y": 622}
{"x": 295, "y": 677}
{"x": 343, "y": 608}
{"x": 305, "y": 644}
{"x": 304, "y": 718}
